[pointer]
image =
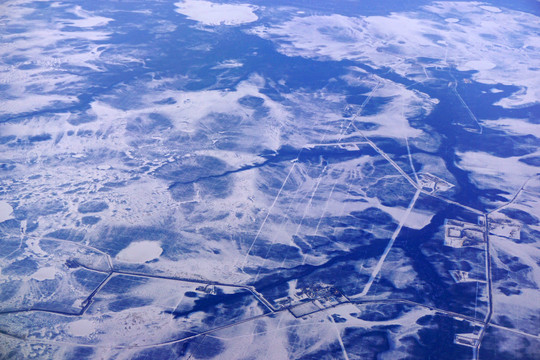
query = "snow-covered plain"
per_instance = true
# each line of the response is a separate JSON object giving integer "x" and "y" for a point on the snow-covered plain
{"x": 230, "y": 180}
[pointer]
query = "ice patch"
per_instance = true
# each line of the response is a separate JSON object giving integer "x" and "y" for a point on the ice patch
{"x": 415, "y": 219}
{"x": 140, "y": 252}
{"x": 492, "y": 9}
{"x": 228, "y": 64}
{"x": 477, "y": 65}
{"x": 514, "y": 126}
{"x": 6, "y": 211}
{"x": 46, "y": 273}
{"x": 492, "y": 172}
{"x": 81, "y": 328}
{"x": 209, "y": 13}
{"x": 86, "y": 19}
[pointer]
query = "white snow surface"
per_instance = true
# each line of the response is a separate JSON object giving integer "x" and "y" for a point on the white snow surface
{"x": 492, "y": 9}
{"x": 500, "y": 54}
{"x": 81, "y": 327}
{"x": 6, "y": 211}
{"x": 212, "y": 14}
{"x": 45, "y": 273}
{"x": 513, "y": 126}
{"x": 477, "y": 65}
{"x": 491, "y": 172}
{"x": 228, "y": 64}
{"x": 140, "y": 252}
